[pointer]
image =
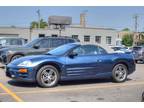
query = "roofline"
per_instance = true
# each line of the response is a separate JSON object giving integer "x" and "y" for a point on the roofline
{"x": 14, "y": 27}
{"x": 92, "y": 27}
{"x": 100, "y": 28}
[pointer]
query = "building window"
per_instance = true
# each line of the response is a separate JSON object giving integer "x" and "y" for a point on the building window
{"x": 54, "y": 35}
{"x": 108, "y": 40}
{"x": 75, "y": 36}
{"x": 41, "y": 35}
{"x": 98, "y": 39}
{"x": 86, "y": 38}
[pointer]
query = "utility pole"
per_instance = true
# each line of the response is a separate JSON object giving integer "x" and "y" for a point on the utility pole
{"x": 39, "y": 17}
{"x": 135, "y": 27}
{"x": 136, "y": 22}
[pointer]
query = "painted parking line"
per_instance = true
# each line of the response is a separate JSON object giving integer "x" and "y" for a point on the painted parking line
{"x": 12, "y": 94}
{"x": 79, "y": 88}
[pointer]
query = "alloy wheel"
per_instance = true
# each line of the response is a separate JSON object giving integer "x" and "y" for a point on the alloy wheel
{"x": 48, "y": 76}
{"x": 120, "y": 72}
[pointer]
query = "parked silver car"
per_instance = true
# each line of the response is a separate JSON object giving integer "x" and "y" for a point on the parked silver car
{"x": 138, "y": 52}
{"x": 11, "y": 42}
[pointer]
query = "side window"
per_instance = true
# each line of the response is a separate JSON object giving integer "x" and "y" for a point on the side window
{"x": 70, "y": 41}
{"x": 15, "y": 42}
{"x": 44, "y": 43}
{"x": 57, "y": 42}
{"x": 102, "y": 51}
{"x": 90, "y": 49}
{"x": 86, "y": 50}
{"x": 79, "y": 51}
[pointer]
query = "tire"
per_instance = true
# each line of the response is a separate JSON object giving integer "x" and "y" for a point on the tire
{"x": 15, "y": 57}
{"x": 119, "y": 73}
{"x": 47, "y": 76}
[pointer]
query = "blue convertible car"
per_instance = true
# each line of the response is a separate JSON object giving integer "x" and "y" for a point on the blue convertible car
{"x": 71, "y": 62}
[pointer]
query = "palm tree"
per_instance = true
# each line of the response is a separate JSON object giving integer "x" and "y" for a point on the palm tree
{"x": 35, "y": 24}
{"x": 43, "y": 24}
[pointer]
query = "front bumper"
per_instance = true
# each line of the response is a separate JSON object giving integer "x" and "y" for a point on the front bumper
{"x": 12, "y": 72}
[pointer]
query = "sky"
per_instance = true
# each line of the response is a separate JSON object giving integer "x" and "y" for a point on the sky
{"x": 109, "y": 17}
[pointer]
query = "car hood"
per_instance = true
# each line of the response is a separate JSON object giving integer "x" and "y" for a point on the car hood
{"x": 33, "y": 59}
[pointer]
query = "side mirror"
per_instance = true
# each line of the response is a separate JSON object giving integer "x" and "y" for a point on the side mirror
{"x": 36, "y": 46}
{"x": 73, "y": 54}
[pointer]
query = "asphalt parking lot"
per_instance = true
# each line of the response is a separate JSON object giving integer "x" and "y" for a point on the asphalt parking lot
{"x": 98, "y": 90}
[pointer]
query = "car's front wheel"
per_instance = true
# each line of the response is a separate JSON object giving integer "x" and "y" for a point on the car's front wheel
{"x": 47, "y": 76}
{"x": 119, "y": 73}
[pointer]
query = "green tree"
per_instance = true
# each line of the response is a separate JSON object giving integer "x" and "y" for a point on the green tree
{"x": 127, "y": 40}
{"x": 126, "y": 29}
{"x": 35, "y": 24}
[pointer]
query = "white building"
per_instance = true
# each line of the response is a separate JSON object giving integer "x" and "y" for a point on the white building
{"x": 101, "y": 36}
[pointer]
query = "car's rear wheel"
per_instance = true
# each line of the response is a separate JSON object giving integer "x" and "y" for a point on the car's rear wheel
{"x": 119, "y": 73}
{"x": 15, "y": 57}
{"x": 47, "y": 76}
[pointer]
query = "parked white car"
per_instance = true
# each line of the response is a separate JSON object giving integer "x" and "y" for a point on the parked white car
{"x": 121, "y": 49}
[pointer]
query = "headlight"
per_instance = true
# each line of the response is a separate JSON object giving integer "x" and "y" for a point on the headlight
{"x": 26, "y": 63}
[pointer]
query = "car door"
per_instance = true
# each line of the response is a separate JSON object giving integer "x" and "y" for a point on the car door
{"x": 104, "y": 64}
{"x": 84, "y": 63}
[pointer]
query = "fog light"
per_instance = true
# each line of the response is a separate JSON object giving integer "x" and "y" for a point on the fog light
{"x": 23, "y": 70}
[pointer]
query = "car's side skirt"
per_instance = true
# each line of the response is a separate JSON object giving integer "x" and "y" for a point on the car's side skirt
{"x": 80, "y": 77}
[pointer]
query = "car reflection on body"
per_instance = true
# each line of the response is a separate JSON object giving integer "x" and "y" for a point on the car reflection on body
{"x": 71, "y": 62}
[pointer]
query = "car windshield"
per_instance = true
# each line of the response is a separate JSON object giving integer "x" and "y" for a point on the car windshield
{"x": 32, "y": 43}
{"x": 62, "y": 49}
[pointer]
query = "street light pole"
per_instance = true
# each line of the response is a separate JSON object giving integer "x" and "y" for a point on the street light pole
{"x": 135, "y": 27}
{"x": 38, "y": 12}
